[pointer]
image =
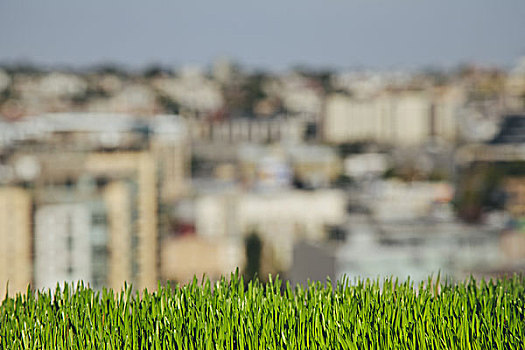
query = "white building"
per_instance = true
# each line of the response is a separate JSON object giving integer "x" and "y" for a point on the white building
{"x": 56, "y": 85}
{"x": 192, "y": 91}
{"x": 366, "y": 165}
{"x": 280, "y": 218}
{"x": 298, "y": 94}
{"x": 515, "y": 87}
{"x": 5, "y": 80}
{"x": 395, "y": 200}
{"x": 417, "y": 249}
{"x": 133, "y": 98}
{"x": 62, "y": 244}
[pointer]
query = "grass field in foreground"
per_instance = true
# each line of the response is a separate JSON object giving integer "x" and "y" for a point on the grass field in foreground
{"x": 365, "y": 315}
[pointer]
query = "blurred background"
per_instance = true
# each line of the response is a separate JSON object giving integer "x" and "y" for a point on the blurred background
{"x": 146, "y": 141}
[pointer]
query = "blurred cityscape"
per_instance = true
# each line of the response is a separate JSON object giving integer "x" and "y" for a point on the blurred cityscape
{"x": 108, "y": 175}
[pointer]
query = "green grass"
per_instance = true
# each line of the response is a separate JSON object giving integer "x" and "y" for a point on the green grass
{"x": 365, "y": 315}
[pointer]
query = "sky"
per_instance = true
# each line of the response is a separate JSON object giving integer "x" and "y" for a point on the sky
{"x": 270, "y": 34}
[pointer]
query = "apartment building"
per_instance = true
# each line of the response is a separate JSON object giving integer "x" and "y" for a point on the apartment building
{"x": 96, "y": 183}
{"x": 16, "y": 257}
{"x": 244, "y": 130}
{"x": 63, "y": 244}
{"x": 403, "y": 118}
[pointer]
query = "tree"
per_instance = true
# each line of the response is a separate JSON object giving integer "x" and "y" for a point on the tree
{"x": 253, "y": 246}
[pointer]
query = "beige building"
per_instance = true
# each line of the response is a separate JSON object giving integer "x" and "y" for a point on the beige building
{"x": 350, "y": 120}
{"x": 315, "y": 165}
{"x": 119, "y": 202}
{"x": 446, "y": 102}
{"x": 170, "y": 148}
{"x": 242, "y": 130}
{"x": 405, "y": 118}
{"x": 99, "y": 184}
{"x": 141, "y": 167}
{"x": 16, "y": 263}
{"x": 185, "y": 257}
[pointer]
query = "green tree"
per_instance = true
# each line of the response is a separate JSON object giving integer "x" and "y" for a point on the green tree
{"x": 253, "y": 246}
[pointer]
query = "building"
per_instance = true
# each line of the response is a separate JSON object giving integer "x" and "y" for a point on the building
{"x": 186, "y": 257}
{"x": 312, "y": 262}
{"x": 415, "y": 249}
{"x": 395, "y": 200}
{"x": 244, "y": 130}
{"x": 314, "y": 166}
{"x": 404, "y": 118}
{"x": 366, "y": 165}
{"x": 266, "y": 167}
{"x": 505, "y": 146}
{"x": 137, "y": 172}
{"x": 170, "y": 147}
{"x": 63, "y": 245}
{"x": 192, "y": 91}
{"x": 100, "y": 186}
{"x": 280, "y": 218}
{"x": 16, "y": 257}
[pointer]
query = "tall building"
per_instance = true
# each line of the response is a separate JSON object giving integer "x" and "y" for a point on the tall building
{"x": 138, "y": 171}
{"x": 62, "y": 244}
{"x": 170, "y": 148}
{"x": 15, "y": 240}
{"x": 98, "y": 185}
{"x": 118, "y": 199}
{"x": 104, "y": 236}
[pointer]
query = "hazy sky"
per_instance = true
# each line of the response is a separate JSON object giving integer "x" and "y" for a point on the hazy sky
{"x": 271, "y": 34}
